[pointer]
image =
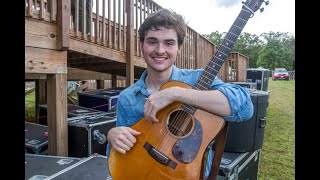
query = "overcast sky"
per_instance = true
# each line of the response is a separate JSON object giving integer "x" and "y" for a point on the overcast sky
{"x": 206, "y": 16}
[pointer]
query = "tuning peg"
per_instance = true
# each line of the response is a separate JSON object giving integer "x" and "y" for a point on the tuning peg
{"x": 266, "y": 2}
{"x": 261, "y": 9}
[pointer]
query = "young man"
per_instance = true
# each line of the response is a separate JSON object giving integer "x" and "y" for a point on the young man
{"x": 161, "y": 37}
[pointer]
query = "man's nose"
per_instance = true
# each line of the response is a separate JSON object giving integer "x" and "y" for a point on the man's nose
{"x": 161, "y": 48}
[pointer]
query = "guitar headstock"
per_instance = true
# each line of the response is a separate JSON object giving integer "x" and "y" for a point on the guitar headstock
{"x": 254, "y": 5}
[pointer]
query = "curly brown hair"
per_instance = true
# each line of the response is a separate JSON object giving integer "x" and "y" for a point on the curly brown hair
{"x": 164, "y": 18}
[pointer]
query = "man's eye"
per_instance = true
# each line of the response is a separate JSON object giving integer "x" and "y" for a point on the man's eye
{"x": 151, "y": 42}
{"x": 169, "y": 43}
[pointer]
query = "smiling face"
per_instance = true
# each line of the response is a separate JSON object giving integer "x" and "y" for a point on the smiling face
{"x": 160, "y": 49}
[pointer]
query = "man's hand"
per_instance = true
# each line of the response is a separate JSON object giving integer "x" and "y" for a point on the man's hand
{"x": 158, "y": 101}
{"x": 122, "y": 138}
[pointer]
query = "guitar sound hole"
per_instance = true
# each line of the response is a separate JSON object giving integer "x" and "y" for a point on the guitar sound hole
{"x": 180, "y": 123}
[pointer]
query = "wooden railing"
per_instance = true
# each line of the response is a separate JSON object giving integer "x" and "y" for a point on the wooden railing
{"x": 108, "y": 27}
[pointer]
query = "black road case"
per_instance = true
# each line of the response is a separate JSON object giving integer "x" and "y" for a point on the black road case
{"x": 72, "y": 111}
{"x": 248, "y": 135}
{"x": 242, "y": 166}
{"x": 259, "y": 76}
{"x": 100, "y": 99}
{"x": 87, "y": 134}
{"x": 36, "y": 138}
{"x": 42, "y": 166}
{"x": 247, "y": 85}
{"x": 94, "y": 167}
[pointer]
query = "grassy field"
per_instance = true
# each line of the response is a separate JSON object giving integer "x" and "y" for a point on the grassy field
{"x": 277, "y": 155}
{"x": 29, "y": 112}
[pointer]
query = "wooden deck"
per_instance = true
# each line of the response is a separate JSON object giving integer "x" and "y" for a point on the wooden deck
{"x": 58, "y": 39}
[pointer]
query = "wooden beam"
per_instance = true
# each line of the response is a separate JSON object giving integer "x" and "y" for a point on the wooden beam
{"x": 33, "y": 76}
{"x": 40, "y": 34}
{"x": 80, "y": 74}
{"x": 57, "y": 115}
{"x": 45, "y": 61}
{"x": 104, "y": 52}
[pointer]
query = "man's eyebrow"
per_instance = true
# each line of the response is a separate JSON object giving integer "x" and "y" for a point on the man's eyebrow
{"x": 170, "y": 40}
{"x": 153, "y": 38}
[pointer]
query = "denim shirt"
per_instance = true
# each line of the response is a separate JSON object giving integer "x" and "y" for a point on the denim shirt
{"x": 131, "y": 101}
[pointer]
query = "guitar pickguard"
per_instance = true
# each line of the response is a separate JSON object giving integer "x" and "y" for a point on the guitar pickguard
{"x": 185, "y": 150}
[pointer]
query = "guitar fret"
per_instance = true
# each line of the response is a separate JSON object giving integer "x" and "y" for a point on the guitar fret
{"x": 229, "y": 40}
{"x": 229, "y": 45}
{"x": 219, "y": 59}
{"x": 240, "y": 28}
{"x": 213, "y": 65}
{"x": 213, "y": 68}
{"x": 242, "y": 19}
{"x": 203, "y": 87}
{"x": 225, "y": 46}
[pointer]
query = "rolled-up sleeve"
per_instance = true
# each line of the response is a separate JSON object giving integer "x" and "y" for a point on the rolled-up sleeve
{"x": 239, "y": 100}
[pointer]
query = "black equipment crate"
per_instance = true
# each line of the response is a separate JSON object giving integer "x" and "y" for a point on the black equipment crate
{"x": 87, "y": 135}
{"x": 239, "y": 166}
{"x": 94, "y": 167}
{"x": 259, "y": 76}
{"x": 100, "y": 99}
{"x": 36, "y": 138}
{"x": 72, "y": 111}
{"x": 248, "y": 135}
{"x": 42, "y": 166}
{"x": 247, "y": 85}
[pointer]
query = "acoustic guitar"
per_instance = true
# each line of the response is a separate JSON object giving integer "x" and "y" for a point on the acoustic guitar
{"x": 174, "y": 148}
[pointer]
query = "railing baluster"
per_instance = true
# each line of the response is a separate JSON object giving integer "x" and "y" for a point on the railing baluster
{"x": 124, "y": 25}
{"x": 41, "y": 13}
{"x": 109, "y": 23}
{"x": 119, "y": 24}
{"x": 29, "y": 8}
{"x": 96, "y": 28}
{"x": 103, "y": 33}
{"x": 89, "y": 29}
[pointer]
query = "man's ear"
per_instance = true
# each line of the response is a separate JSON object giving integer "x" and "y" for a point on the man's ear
{"x": 141, "y": 45}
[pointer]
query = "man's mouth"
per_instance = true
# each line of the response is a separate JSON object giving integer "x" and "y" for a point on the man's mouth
{"x": 159, "y": 58}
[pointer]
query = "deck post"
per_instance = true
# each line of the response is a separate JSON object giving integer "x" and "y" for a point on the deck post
{"x": 130, "y": 45}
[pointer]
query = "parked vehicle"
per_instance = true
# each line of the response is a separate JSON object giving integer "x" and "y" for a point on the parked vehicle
{"x": 280, "y": 74}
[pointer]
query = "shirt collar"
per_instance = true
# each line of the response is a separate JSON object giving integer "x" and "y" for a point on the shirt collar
{"x": 141, "y": 86}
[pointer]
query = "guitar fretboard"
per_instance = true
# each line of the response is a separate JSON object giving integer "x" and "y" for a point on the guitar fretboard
{"x": 214, "y": 65}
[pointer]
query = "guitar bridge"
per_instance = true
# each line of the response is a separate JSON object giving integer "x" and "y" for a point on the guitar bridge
{"x": 158, "y": 156}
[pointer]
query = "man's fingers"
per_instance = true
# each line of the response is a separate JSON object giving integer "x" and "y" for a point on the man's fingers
{"x": 134, "y": 132}
{"x": 119, "y": 149}
{"x": 122, "y": 145}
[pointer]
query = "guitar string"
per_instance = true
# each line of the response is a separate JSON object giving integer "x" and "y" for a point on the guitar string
{"x": 177, "y": 121}
{"x": 167, "y": 136}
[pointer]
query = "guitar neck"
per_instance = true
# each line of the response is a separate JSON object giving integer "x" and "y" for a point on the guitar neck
{"x": 214, "y": 65}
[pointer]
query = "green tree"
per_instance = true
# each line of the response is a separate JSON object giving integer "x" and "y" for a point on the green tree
{"x": 214, "y": 37}
{"x": 249, "y": 45}
{"x": 279, "y": 51}
{"x": 269, "y": 50}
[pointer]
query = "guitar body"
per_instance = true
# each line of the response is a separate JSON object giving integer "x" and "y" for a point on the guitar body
{"x": 171, "y": 149}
